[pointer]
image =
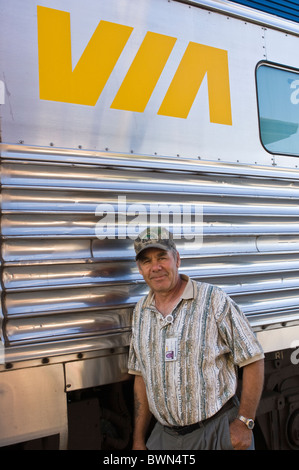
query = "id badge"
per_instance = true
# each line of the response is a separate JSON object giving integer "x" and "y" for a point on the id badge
{"x": 171, "y": 349}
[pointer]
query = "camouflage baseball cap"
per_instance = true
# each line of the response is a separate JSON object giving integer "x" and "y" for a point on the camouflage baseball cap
{"x": 154, "y": 237}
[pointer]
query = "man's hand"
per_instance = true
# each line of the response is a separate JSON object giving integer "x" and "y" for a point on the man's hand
{"x": 139, "y": 446}
{"x": 252, "y": 386}
{"x": 240, "y": 435}
{"x": 142, "y": 414}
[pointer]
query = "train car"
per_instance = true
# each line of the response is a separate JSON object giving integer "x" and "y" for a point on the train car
{"x": 114, "y": 115}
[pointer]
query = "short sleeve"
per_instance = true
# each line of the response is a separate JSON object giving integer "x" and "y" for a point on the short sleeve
{"x": 133, "y": 364}
{"x": 237, "y": 333}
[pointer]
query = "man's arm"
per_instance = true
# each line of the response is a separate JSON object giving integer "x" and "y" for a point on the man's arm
{"x": 142, "y": 414}
{"x": 252, "y": 386}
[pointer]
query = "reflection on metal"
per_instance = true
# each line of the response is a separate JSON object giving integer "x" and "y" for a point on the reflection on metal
{"x": 67, "y": 292}
{"x": 287, "y": 9}
{"x": 276, "y": 16}
{"x": 273, "y": 130}
{"x": 96, "y": 371}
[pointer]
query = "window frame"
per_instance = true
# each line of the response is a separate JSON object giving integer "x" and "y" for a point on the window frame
{"x": 278, "y": 66}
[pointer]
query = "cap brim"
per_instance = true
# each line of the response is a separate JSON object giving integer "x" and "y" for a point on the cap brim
{"x": 154, "y": 245}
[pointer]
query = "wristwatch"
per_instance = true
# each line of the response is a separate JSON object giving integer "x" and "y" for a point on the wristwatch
{"x": 248, "y": 421}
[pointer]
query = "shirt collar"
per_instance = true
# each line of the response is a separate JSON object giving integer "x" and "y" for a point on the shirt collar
{"x": 189, "y": 288}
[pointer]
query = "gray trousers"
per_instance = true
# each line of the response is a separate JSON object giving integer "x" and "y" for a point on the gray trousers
{"x": 214, "y": 435}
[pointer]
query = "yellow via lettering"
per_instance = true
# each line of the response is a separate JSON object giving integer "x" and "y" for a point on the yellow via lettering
{"x": 197, "y": 61}
{"x": 84, "y": 84}
{"x": 141, "y": 79}
{"x": 58, "y": 81}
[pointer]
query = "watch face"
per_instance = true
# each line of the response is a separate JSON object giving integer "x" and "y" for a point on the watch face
{"x": 250, "y": 424}
{"x": 248, "y": 421}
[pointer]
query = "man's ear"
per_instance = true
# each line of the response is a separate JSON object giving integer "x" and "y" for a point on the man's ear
{"x": 178, "y": 260}
{"x": 139, "y": 268}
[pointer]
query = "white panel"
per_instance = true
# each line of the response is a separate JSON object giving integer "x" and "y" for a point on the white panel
{"x": 100, "y": 127}
{"x": 29, "y": 412}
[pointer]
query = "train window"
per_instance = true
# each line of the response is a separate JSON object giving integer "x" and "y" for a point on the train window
{"x": 278, "y": 104}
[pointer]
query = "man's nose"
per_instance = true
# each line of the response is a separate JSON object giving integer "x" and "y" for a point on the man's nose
{"x": 156, "y": 266}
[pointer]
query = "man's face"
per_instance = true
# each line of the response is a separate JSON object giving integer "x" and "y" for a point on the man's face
{"x": 159, "y": 269}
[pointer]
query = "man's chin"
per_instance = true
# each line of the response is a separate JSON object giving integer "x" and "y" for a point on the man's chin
{"x": 160, "y": 287}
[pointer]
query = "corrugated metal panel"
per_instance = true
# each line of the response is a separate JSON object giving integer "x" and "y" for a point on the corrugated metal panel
{"x": 287, "y": 9}
{"x": 65, "y": 290}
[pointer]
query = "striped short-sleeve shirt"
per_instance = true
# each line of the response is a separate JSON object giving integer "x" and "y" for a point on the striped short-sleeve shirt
{"x": 189, "y": 364}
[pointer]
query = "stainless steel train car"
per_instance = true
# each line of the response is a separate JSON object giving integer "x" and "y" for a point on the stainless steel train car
{"x": 113, "y": 112}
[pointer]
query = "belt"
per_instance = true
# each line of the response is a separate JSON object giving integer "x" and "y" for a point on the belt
{"x": 182, "y": 430}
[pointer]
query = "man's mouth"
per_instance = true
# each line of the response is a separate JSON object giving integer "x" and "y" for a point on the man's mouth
{"x": 157, "y": 278}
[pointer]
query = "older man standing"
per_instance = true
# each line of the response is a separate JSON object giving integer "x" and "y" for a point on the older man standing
{"x": 188, "y": 340}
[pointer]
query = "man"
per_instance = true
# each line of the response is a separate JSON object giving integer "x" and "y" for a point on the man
{"x": 188, "y": 340}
